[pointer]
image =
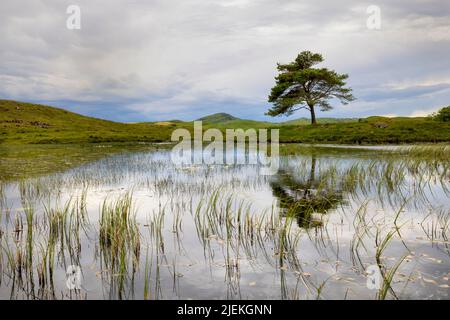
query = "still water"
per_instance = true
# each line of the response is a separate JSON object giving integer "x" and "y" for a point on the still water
{"x": 328, "y": 225}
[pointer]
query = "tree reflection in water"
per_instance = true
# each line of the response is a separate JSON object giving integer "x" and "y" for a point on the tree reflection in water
{"x": 305, "y": 198}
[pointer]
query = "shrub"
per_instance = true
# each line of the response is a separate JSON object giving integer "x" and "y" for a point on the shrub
{"x": 442, "y": 115}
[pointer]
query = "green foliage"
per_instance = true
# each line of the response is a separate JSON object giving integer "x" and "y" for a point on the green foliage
{"x": 442, "y": 115}
{"x": 300, "y": 86}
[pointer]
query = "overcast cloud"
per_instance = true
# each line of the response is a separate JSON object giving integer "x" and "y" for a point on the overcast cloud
{"x": 151, "y": 60}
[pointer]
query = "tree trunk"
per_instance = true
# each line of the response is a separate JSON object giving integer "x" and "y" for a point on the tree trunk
{"x": 313, "y": 115}
{"x": 312, "y": 177}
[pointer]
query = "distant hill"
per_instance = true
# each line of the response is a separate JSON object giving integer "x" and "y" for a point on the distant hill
{"x": 225, "y": 118}
{"x": 218, "y": 118}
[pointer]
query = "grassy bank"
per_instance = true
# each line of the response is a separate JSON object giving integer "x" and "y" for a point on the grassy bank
{"x": 25, "y": 161}
{"x": 372, "y": 130}
{"x": 24, "y": 123}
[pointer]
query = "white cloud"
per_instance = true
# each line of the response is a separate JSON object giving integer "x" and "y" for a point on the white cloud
{"x": 390, "y": 115}
{"x": 423, "y": 113}
{"x": 173, "y": 56}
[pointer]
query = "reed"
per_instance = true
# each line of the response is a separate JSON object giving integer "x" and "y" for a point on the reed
{"x": 119, "y": 240}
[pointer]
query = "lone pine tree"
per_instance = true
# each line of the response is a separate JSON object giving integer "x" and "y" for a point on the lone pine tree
{"x": 300, "y": 86}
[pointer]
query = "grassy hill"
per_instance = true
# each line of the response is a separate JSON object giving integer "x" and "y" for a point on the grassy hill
{"x": 225, "y": 120}
{"x": 222, "y": 120}
{"x": 32, "y": 123}
{"x": 25, "y": 123}
{"x": 218, "y": 118}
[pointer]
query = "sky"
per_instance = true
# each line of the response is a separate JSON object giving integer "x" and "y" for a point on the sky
{"x": 158, "y": 60}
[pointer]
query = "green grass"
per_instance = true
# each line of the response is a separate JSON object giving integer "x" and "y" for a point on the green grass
{"x": 25, "y": 123}
{"x": 307, "y": 121}
{"x": 372, "y": 130}
{"x": 24, "y": 161}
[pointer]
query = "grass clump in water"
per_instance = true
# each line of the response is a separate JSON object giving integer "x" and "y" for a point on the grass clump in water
{"x": 119, "y": 239}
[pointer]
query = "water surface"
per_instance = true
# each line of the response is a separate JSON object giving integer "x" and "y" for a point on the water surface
{"x": 227, "y": 232}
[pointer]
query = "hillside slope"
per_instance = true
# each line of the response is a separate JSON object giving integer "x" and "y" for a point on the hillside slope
{"x": 217, "y": 118}
{"x": 32, "y": 123}
{"x": 25, "y": 123}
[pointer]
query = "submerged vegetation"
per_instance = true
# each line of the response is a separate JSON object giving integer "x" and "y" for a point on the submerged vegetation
{"x": 140, "y": 228}
{"x": 119, "y": 241}
{"x": 18, "y": 162}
